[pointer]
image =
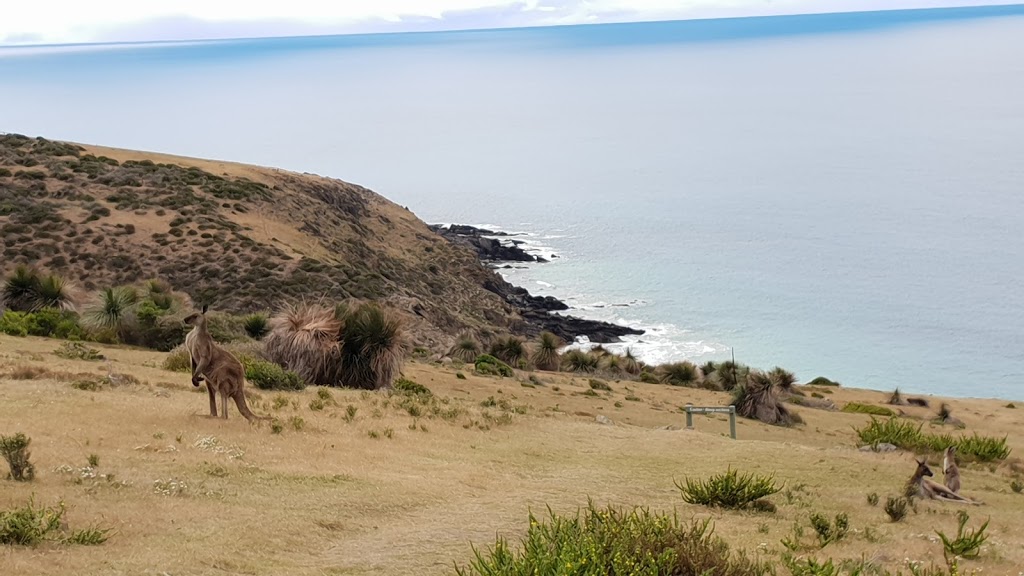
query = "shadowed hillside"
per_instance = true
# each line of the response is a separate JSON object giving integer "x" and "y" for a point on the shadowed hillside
{"x": 240, "y": 237}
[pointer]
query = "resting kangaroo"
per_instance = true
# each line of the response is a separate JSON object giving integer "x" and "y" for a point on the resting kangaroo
{"x": 222, "y": 371}
{"x": 950, "y": 471}
{"x": 928, "y": 489}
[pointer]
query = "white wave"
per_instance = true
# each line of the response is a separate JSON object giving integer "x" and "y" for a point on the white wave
{"x": 544, "y": 284}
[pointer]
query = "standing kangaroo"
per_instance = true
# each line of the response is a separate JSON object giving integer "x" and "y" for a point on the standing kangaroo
{"x": 950, "y": 471}
{"x": 928, "y": 489}
{"x": 221, "y": 370}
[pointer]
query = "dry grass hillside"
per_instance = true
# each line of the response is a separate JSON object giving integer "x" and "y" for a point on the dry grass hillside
{"x": 383, "y": 483}
{"x": 241, "y": 237}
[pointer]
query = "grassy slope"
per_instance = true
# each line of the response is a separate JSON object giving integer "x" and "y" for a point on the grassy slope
{"x": 244, "y": 236}
{"x": 332, "y": 500}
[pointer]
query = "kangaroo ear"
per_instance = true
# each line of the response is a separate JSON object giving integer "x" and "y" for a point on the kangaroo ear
{"x": 205, "y": 307}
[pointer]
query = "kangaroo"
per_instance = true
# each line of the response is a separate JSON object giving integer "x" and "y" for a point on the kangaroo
{"x": 950, "y": 471}
{"x": 928, "y": 489}
{"x": 221, "y": 370}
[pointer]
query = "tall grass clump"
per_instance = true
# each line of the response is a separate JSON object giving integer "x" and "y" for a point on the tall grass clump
{"x": 545, "y": 356}
{"x": 730, "y": 375}
{"x": 114, "y": 310}
{"x": 359, "y": 346}
{"x": 373, "y": 347}
{"x": 26, "y": 290}
{"x": 466, "y": 349}
{"x": 613, "y": 541}
{"x": 509, "y": 350}
{"x": 783, "y": 379}
{"x": 679, "y": 374}
{"x": 728, "y": 490}
{"x": 15, "y": 451}
{"x": 630, "y": 363}
{"x": 580, "y": 361}
{"x": 758, "y": 399}
{"x": 257, "y": 325}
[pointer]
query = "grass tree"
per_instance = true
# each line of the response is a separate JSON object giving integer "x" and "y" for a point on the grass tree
{"x": 783, "y": 379}
{"x": 679, "y": 374}
{"x": 758, "y": 399}
{"x": 373, "y": 347}
{"x": 510, "y": 350}
{"x": 630, "y": 364}
{"x": 580, "y": 361}
{"x": 546, "y": 356}
{"x": 466, "y": 349}
{"x": 114, "y": 310}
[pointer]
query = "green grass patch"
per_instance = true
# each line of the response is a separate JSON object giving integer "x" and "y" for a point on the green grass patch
{"x": 908, "y": 436}
{"x": 858, "y": 408}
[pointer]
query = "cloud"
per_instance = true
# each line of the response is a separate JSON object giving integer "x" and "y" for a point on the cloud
{"x": 70, "y": 21}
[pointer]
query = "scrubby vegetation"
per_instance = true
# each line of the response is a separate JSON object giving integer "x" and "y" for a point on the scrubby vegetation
{"x": 614, "y": 541}
{"x": 31, "y": 525}
{"x": 270, "y": 376}
{"x": 728, "y": 490}
{"x": 545, "y": 355}
{"x": 15, "y": 451}
{"x": 859, "y": 408}
{"x": 907, "y": 435}
{"x": 488, "y": 365}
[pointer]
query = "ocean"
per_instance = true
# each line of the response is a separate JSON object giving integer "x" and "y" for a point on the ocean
{"x": 839, "y": 195}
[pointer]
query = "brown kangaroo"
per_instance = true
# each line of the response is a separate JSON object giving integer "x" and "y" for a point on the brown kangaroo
{"x": 950, "y": 471}
{"x": 221, "y": 370}
{"x": 928, "y": 489}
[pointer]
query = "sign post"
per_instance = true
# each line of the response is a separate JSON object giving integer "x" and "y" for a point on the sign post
{"x": 730, "y": 410}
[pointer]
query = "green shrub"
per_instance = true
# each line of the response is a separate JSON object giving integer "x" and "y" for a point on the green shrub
{"x": 28, "y": 525}
{"x": 613, "y": 541}
{"x": 728, "y": 490}
{"x": 77, "y": 351}
{"x": 858, "y": 408}
{"x": 967, "y": 544}
{"x": 822, "y": 381}
{"x": 257, "y": 325}
{"x": 896, "y": 508}
{"x": 15, "y": 450}
{"x": 409, "y": 387}
{"x": 47, "y": 322}
{"x": 490, "y": 366}
{"x": 906, "y": 435}
{"x": 827, "y": 531}
{"x": 269, "y": 376}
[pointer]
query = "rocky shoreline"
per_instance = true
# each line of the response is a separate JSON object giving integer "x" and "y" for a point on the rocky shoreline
{"x": 539, "y": 312}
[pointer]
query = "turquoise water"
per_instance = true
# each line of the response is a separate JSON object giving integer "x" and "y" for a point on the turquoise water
{"x": 839, "y": 195}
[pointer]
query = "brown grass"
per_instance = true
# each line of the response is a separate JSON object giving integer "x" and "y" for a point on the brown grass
{"x": 196, "y": 495}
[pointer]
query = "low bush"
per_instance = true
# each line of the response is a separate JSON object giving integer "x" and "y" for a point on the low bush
{"x": 46, "y": 322}
{"x": 269, "y": 376}
{"x": 490, "y": 366}
{"x": 30, "y": 525}
{"x": 15, "y": 451}
{"x": 614, "y": 541}
{"x": 896, "y": 508}
{"x": 830, "y": 531}
{"x": 822, "y": 381}
{"x": 77, "y": 351}
{"x": 967, "y": 543}
{"x": 405, "y": 386}
{"x": 728, "y": 490}
{"x": 858, "y": 408}
{"x": 178, "y": 360}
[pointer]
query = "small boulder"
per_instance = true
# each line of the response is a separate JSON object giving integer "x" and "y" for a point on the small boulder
{"x": 602, "y": 419}
{"x": 883, "y": 447}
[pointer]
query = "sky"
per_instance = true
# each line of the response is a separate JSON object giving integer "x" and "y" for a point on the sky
{"x": 76, "y": 21}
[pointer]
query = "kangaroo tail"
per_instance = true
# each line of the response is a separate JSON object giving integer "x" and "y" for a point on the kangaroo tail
{"x": 243, "y": 408}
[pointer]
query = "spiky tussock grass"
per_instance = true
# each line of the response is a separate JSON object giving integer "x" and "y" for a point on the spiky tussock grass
{"x": 908, "y": 436}
{"x": 466, "y": 349}
{"x": 758, "y": 399}
{"x": 545, "y": 356}
{"x": 20, "y": 290}
{"x": 897, "y": 398}
{"x": 305, "y": 338}
{"x": 630, "y": 363}
{"x": 510, "y": 350}
{"x": 728, "y": 490}
{"x": 373, "y": 348}
{"x": 783, "y": 379}
{"x": 15, "y": 451}
{"x": 580, "y": 361}
{"x": 614, "y": 541}
{"x": 679, "y": 374}
{"x": 114, "y": 310}
{"x": 731, "y": 374}
{"x": 257, "y": 325}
